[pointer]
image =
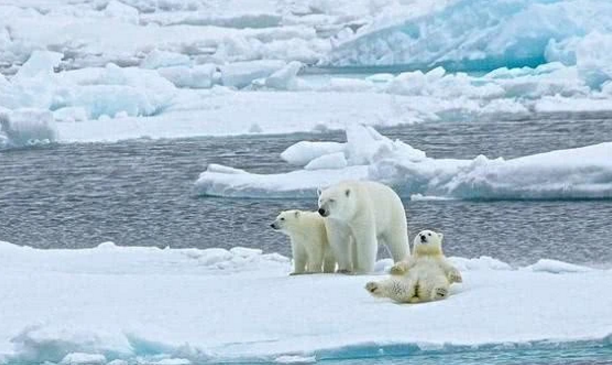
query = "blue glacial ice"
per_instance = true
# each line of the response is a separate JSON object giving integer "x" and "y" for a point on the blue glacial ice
{"x": 475, "y": 35}
{"x": 26, "y": 127}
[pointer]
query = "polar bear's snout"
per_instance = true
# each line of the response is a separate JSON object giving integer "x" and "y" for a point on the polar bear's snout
{"x": 323, "y": 212}
{"x": 424, "y": 236}
{"x": 274, "y": 225}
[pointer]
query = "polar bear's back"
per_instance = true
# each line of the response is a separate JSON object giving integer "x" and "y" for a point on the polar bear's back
{"x": 312, "y": 226}
{"x": 387, "y": 205}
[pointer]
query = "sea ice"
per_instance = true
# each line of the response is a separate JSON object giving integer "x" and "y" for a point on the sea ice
{"x": 26, "y": 127}
{"x": 565, "y": 174}
{"x": 118, "y": 305}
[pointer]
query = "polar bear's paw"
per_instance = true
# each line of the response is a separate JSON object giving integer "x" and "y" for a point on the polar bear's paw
{"x": 455, "y": 277}
{"x": 398, "y": 269}
{"x": 344, "y": 271}
{"x": 440, "y": 293}
{"x": 374, "y": 289}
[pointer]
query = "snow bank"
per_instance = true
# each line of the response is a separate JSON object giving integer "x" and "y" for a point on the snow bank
{"x": 241, "y": 74}
{"x": 158, "y": 59}
{"x": 118, "y": 305}
{"x": 97, "y": 91}
{"x": 556, "y": 267}
{"x": 285, "y": 78}
{"x": 580, "y": 173}
{"x": 195, "y": 77}
{"x": 303, "y": 152}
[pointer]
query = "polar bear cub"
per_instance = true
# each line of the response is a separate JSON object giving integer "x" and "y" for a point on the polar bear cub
{"x": 309, "y": 244}
{"x": 359, "y": 216}
{"x": 425, "y": 276}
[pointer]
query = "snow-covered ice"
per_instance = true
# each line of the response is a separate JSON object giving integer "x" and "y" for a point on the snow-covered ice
{"x": 579, "y": 173}
{"x": 177, "y": 68}
{"x": 177, "y": 306}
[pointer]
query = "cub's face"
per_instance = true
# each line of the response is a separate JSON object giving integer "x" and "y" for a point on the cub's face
{"x": 336, "y": 202}
{"x": 428, "y": 242}
{"x": 286, "y": 220}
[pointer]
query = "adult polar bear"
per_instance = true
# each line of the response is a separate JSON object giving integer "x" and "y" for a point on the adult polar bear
{"x": 359, "y": 215}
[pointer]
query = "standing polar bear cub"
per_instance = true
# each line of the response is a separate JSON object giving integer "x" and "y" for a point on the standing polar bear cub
{"x": 309, "y": 245}
{"x": 359, "y": 215}
{"x": 424, "y": 277}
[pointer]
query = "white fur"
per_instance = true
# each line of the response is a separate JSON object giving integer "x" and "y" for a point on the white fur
{"x": 423, "y": 277}
{"x": 309, "y": 244}
{"x": 361, "y": 214}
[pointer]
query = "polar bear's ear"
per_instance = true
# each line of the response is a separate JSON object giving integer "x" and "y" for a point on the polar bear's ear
{"x": 441, "y": 236}
{"x": 347, "y": 192}
{"x": 319, "y": 191}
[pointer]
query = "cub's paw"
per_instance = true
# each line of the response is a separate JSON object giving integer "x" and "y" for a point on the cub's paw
{"x": 440, "y": 293}
{"x": 455, "y": 277}
{"x": 398, "y": 269}
{"x": 373, "y": 288}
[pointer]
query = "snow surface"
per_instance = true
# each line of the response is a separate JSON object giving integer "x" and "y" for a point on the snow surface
{"x": 165, "y": 69}
{"x": 579, "y": 173}
{"x": 180, "y": 306}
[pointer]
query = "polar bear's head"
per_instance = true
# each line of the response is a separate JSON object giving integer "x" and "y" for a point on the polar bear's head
{"x": 337, "y": 202}
{"x": 427, "y": 242}
{"x": 287, "y": 221}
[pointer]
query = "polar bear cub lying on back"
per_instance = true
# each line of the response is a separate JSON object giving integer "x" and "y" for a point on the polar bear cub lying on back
{"x": 309, "y": 244}
{"x": 425, "y": 276}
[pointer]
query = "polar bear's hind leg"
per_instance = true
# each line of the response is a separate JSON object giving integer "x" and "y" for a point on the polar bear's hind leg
{"x": 439, "y": 293}
{"x": 398, "y": 290}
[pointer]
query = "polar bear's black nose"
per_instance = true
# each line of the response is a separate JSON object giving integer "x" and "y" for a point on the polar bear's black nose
{"x": 322, "y": 212}
{"x": 423, "y": 238}
{"x": 273, "y": 225}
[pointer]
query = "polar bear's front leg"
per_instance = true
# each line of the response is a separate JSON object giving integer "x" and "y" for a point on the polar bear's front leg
{"x": 399, "y": 269}
{"x": 315, "y": 260}
{"x": 366, "y": 247}
{"x": 299, "y": 258}
{"x": 339, "y": 238}
{"x": 453, "y": 275}
{"x": 402, "y": 267}
{"x": 399, "y": 290}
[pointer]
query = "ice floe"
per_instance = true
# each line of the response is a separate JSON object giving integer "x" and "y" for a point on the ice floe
{"x": 580, "y": 173}
{"x": 118, "y": 305}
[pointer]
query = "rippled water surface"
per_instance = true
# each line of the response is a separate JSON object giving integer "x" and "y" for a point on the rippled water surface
{"x": 141, "y": 193}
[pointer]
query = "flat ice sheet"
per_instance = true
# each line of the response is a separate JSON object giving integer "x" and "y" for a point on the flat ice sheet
{"x": 111, "y": 303}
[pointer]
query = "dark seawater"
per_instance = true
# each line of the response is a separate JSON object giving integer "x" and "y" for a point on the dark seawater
{"x": 141, "y": 192}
